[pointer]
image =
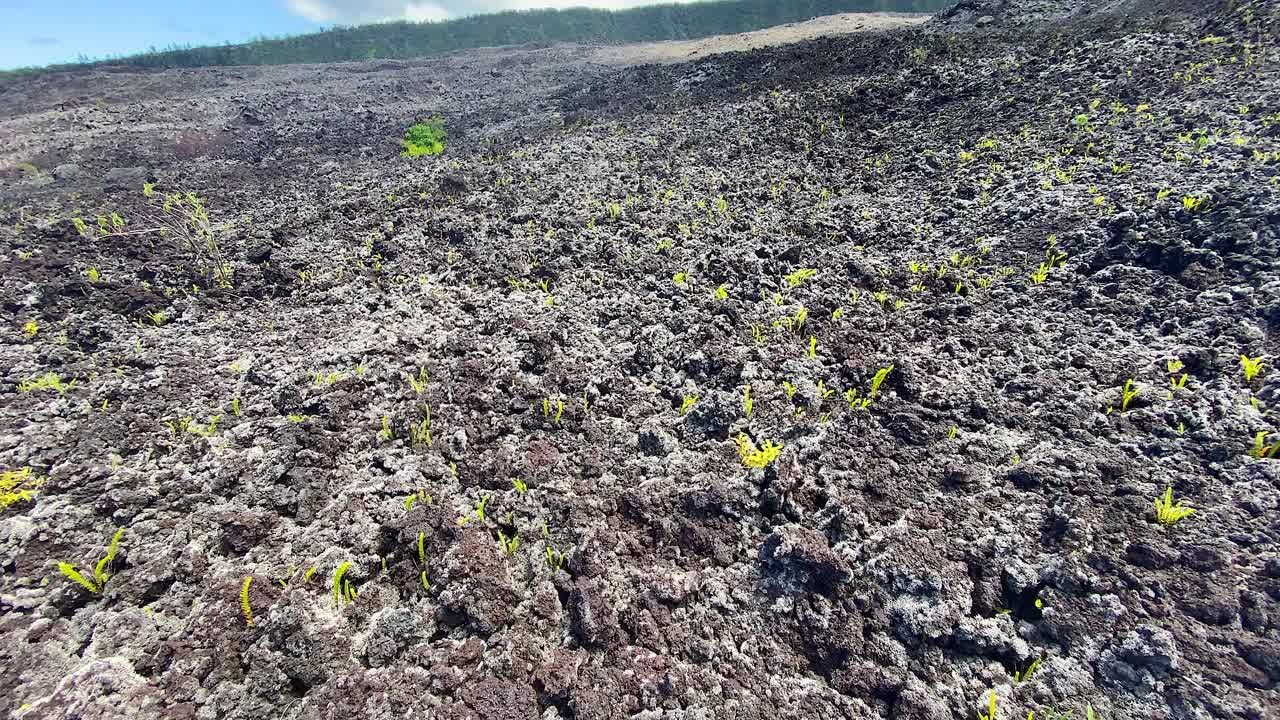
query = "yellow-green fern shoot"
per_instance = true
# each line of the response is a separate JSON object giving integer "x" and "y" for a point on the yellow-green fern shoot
{"x": 991, "y": 708}
{"x": 1261, "y": 450}
{"x": 1251, "y": 366}
{"x": 855, "y": 402}
{"x": 747, "y": 403}
{"x": 341, "y": 586}
{"x": 100, "y": 570}
{"x": 1128, "y": 394}
{"x": 100, "y": 576}
{"x": 420, "y": 434}
{"x": 799, "y": 276}
{"x": 74, "y": 575}
{"x": 1168, "y": 512}
{"x": 18, "y": 486}
{"x": 48, "y": 381}
{"x": 687, "y": 404}
{"x": 878, "y": 380}
{"x": 422, "y": 548}
{"x": 419, "y": 383}
{"x": 244, "y": 601}
{"x": 509, "y": 544}
{"x": 521, "y": 486}
{"x": 757, "y": 457}
{"x": 1020, "y": 677}
{"x": 555, "y": 559}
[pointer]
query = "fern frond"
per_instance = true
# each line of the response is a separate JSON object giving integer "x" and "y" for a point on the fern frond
{"x": 244, "y": 601}
{"x": 74, "y": 575}
{"x": 338, "y": 591}
{"x": 100, "y": 571}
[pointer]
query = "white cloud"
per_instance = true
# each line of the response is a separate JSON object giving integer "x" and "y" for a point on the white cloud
{"x": 351, "y": 12}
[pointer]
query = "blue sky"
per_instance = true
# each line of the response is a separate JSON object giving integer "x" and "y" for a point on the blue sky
{"x": 41, "y": 33}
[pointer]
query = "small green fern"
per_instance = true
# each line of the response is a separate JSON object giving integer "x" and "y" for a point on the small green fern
{"x": 100, "y": 576}
{"x": 343, "y": 590}
{"x": 74, "y": 575}
{"x": 244, "y": 601}
{"x": 100, "y": 571}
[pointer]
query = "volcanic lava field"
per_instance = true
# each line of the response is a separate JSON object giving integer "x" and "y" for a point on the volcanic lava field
{"x": 867, "y": 376}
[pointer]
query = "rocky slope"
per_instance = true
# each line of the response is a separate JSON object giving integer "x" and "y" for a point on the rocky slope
{"x": 477, "y": 425}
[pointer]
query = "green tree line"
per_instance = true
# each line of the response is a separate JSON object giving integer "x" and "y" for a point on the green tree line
{"x": 584, "y": 25}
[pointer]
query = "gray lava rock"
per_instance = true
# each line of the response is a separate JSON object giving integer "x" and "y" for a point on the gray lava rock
{"x": 594, "y": 622}
{"x": 990, "y": 637}
{"x": 654, "y": 440}
{"x": 128, "y": 178}
{"x": 69, "y": 171}
{"x": 799, "y": 559}
{"x": 1138, "y": 659}
{"x": 393, "y": 629}
{"x": 1262, "y": 654}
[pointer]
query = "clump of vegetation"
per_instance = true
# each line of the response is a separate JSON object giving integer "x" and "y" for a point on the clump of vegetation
{"x": 47, "y": 381}
{"x": 1194, "y": 204}
{"x": 1127, "y": 395}
{"x": 182, "y": 216}
{"x": 100, "y": 576}
{"x": 1177, "y": 382}
{"x": 1260, "y": 448}
{"x": 555, "y": 558}
{"x": 1168, "y": 512}
{"x": 687, "y": 404}
{"x": 547, "y": 410}
{"x": 509, "y": 544}
{"x": 426, "y": 138}
{"x": 185, "y": 217}
{"x": 421, "y": 432}
{"x": 799, "y": 276}
{"x": 757, "y": 457}
{"x": 1251, "y": 367}
{"x": 420, "y": 382}
{"x": 18, "y": 486}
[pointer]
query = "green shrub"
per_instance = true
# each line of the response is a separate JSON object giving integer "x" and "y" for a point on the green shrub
{"x": 425, "y": 138}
